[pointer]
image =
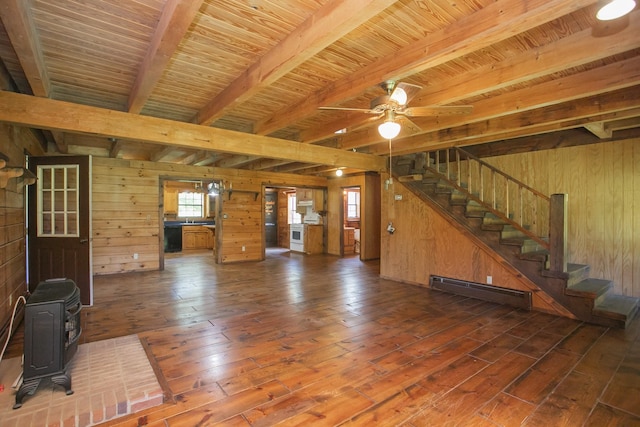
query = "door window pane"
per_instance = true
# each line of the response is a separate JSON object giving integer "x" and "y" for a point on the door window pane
{"x": 58, "y": 202}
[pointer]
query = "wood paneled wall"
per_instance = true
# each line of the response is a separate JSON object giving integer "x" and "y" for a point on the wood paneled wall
{"x": 425, "y": 243}
{"x": 603, "y": 184}
{"x": 13, "y": 142}
{"x": 125, "y": 217}
{"x": 126, "y": 211}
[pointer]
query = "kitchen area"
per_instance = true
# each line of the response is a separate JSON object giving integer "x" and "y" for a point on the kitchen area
{"x": 293, "y": 217}
{"x": 306, "y": 226}
{"x": 246, "y": 224}
{"x": 189, "y": 215}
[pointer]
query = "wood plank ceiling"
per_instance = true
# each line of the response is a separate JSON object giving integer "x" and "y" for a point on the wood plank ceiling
{"x": 257, "y": 72}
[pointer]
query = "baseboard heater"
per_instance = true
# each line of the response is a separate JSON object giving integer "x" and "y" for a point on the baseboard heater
{"x": 513, "y": 297}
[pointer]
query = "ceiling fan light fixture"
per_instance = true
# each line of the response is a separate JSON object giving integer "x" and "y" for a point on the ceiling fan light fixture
{"x": 613, "y": 9}
{"x": 400, "y": 96}
{"x": 389, "y": 129}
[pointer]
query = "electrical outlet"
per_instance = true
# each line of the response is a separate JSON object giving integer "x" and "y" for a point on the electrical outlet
{"x": 135, "y": 256}
{"x": 243, "y": 248}
{"x": 489, "y": 280}
{"x": 397, "y": 196}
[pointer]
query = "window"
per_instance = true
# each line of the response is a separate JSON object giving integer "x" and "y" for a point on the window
{"x": 58, "y": 201}
{"x": 190, "y": 204}
{"x": 353, "y": 204}
{"x": 294, "y": 216}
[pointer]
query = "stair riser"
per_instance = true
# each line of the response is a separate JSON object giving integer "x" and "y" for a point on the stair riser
{"x": 591, "y": 305}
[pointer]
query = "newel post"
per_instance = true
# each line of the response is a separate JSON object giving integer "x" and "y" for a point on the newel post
{"x": 558, "y": 232}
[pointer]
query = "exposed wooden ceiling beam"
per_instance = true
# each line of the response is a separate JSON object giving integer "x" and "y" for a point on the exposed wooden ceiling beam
{"x": 161, "y": 154}
{"x": 632, "y": 122}
{"x": 57, "y": 115}
{"x": 609, "y": 106}
{"x": 17, "y": 19}
{"x": 331, "y": 22}
{"x": 209, "y": 159}
{"x": 491, "y": 24}
{"x": 599, "y": 130}
{"x": 509, "y": 134}
{"x": 604, "y": 79}
{"x": 578, "y": 49}
{"x": 294, "y": 167}
{"x": 264, "y": 164}
{"x": 561, "y": 139}
{"x": 235, "y": 161}
{"x": 60, "y": 141}
{"x": 196, "y": 157}
{"x": 572, "y": 51}
{"x": 6, "y": 81}
{"x": 176, "y": 18}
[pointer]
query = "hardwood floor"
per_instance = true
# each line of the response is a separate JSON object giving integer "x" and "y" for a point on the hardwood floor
{"x": 322, "y": 340}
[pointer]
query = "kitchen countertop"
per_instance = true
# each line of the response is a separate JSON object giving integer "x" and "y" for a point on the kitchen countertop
{"x": 182, "y": 223}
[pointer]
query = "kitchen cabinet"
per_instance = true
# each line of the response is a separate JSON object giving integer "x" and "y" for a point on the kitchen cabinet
{"x": 349, "y": 240}
{"x": 309, "y": 197}
{"x": 313, "y": 239}
{"x": 171, "y": 201}
{"x": 196, "y": 237}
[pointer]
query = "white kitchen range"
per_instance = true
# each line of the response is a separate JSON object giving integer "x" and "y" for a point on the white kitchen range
{"x": 308, "y": 236}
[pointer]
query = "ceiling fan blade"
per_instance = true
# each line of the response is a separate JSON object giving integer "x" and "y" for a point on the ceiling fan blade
{"x": 408, "y": 126}
{"x": 404, "y": 92}
{"x": 437, "y": 110}
{"x": 361, "y": 110}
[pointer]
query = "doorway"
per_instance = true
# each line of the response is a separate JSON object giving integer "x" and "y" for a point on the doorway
{"x": 271, "y": 218}
{"x": 188, "y": 215}
{"x": 59, "y": 222}
{"x": 351, "y": 221}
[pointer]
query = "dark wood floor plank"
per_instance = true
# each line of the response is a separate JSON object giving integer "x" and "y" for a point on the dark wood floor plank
{"x": 229, "y": 407}
{"x": 496, "y": 348}
{"x": 540, "y": 380}
{"x": 570, "y": 403}
{"x": 383, "y": 387}
{"x": 604, "y": 415}
{"x": 322, "y": 340}
{"x": 507, "y": 410}
{"x": 623, "y": 391}
{"x": 462, "y": 403}
{"x": 332, "y": 410}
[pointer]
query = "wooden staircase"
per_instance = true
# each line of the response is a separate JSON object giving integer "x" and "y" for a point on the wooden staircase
{"x": 499, "y": 212}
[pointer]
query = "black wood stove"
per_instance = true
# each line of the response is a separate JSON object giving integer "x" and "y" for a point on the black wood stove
{"x": 52, "y": 329}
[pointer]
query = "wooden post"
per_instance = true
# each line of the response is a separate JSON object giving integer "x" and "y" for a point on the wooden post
{"x": 558, "y": 232}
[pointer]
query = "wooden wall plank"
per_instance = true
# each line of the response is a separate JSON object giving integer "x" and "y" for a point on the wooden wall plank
{"x": 426, "y": 244}
{"x": 12, "y": 225}
{"x": 603, "y": 184}
{"x": 126, "y": 211}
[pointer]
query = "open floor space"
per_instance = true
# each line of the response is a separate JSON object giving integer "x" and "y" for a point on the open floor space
{"x": 322, "y": 340}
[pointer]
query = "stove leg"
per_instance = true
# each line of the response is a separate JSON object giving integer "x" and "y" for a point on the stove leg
{"x": 28, "y": 387}
{"x": 64, "y": 380}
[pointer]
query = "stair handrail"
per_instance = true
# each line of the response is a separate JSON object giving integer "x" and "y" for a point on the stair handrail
{"x": 492, "y": 207}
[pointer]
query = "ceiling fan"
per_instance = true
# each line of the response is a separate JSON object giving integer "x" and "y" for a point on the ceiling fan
{"x": 393, "y": 108}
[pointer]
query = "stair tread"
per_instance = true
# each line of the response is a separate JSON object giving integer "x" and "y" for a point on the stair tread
{"x": 540, "y": 255}
{"x": 571, "y": 268}
{"x": 590, "y": 286}
{"x": 617, "y": 306}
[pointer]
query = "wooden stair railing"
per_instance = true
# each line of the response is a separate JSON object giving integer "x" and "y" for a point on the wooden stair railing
{"x": 478, "y": 198}
{"x": 535, "y": 215}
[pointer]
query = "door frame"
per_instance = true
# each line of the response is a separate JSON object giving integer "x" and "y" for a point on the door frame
{"x": 84, "y": 218}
